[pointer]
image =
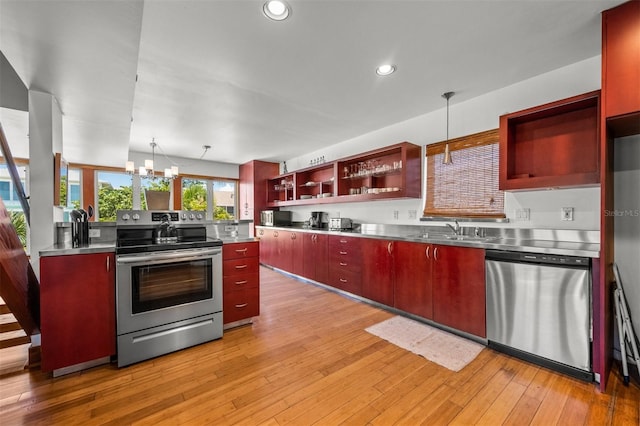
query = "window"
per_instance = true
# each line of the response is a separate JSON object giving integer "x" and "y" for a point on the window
{"x": 196, "y": 196}
{"x": 11, "y": 201}
{"x": 115, "y": 192}
{"x": 224, "y": 200}
{"x": 469, "y": 186}
{"x": 74, "y": 189}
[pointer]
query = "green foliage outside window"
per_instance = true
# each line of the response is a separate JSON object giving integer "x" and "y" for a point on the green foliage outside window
{"x": 112, "y": 200}
{"x": 20, "y": 224}
{"x": 194, "y": 195}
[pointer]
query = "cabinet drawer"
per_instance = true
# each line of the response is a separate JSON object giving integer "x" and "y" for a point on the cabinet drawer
{"x": 345, "y": 262}
{"x": 240, "y": 250}
{"x": 240, "y": 266}
{"x": 346, "y": 280}
{"x": 344, "y": 244}
{"x": 241, "y": 304}
{"x": 241, "y": 281}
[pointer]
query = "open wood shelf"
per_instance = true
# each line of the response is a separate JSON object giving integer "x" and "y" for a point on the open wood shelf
{"x": 381, "y": 174}
{"x": 552, "y": 145}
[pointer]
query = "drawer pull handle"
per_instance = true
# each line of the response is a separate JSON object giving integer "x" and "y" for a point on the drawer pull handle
{"x": 242, "y": 305}
{"x": 343, "y": 241}
{"x": 343, "y": 253}
{"x": 244, "y": 250}
{"x": 342, "y": 280}
{"x": 343, "y": 264}
{"x": 241, "y": 266}
{"x": 241, "y": 282}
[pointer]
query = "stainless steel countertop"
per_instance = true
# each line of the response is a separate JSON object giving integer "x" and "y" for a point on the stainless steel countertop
{"x": 64, "y": 249}
{"x": 517, "y": 240}
{"x": 229, "y": 240}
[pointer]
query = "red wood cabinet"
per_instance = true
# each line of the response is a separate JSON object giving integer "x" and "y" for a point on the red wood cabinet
{"x": 459, "y": 298}
{"x": 314, "y": 256}
{"x": 241, "y": 281}
{"x": 268, "y": 245}
{"x": 252, "y": 194}
{"x": 378, "y": 270}
{"x": 551, "y": 145}
{"x": 413, "y": 266}
{"x": 77, "y": 309}
{"x": 345, "y": 263}
{"x": 621, "y": 63}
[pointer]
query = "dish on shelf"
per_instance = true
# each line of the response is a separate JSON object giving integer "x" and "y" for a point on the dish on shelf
{"x": 305, "y": 197}
{"x": 310, "y": 183}
{"x": 326, "y": 194}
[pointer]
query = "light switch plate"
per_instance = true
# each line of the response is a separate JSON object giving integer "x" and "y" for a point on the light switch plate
{"x": 94, "y": 233}
{"x": 567, "y": 213}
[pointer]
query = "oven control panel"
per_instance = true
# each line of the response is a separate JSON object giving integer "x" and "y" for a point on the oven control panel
{"x": 159, "y": 216}
{"x": 146, "y": 217}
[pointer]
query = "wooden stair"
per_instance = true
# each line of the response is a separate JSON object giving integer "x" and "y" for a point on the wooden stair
{"x": 14, "y": 342}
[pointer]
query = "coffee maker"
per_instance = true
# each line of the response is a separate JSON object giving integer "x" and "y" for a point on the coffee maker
{"x": 316, "y": 219}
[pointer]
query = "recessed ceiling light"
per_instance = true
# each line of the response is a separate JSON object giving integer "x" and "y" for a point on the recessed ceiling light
{"x": 385, "y": 69}
{"x": 277, "y": 10}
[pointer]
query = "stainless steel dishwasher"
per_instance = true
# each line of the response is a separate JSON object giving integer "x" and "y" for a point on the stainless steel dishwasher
{"x": 539, "y": 309}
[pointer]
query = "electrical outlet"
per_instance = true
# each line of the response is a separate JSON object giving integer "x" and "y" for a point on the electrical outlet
{"x": 94, "y": 233}
{"x": 523, "y": 214}
{"x": 412, "y": 214}
{"x": 396, "y": 213}
{"x": 567, "y": 213}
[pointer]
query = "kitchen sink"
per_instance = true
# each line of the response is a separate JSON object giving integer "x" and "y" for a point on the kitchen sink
{"x": 468, "y": 238}
{"x": 450, "y": 237}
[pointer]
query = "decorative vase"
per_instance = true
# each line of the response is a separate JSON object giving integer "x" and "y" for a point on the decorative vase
{"x": 157, "y": 200}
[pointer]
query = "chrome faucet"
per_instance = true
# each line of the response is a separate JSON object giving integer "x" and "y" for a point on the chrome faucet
{"x": 455, "y": 229}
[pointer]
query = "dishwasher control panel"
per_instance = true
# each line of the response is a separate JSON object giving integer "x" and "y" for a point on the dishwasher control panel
{"x": 542, "y": 258}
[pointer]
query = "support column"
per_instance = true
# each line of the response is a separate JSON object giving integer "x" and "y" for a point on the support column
{"x": 45, "y": 139}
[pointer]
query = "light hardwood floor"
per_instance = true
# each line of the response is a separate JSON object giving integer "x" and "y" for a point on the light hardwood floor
{"x": 308, "y": 360}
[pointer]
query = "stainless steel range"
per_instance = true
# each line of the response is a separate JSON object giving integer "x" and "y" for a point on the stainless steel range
{"x": 168, "y": 285}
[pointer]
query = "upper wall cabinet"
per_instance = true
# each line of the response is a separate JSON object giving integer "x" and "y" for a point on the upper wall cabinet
{"x": 386, "y": 173}
{"x": 551, "y": 146}
{"x": 621, "y": 68}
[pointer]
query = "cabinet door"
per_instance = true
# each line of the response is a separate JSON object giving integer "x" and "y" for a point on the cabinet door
{"x": 413, "y": 278}
{"x": 314, "y": 256}
{"x": 267, "y": 245}
{"x": 377, "y": 271}
{"x": 621, "y": 59}
{"x": 459, "y": 299}
{"x": 286, "y": 247}
{"x": 77, "y": 309}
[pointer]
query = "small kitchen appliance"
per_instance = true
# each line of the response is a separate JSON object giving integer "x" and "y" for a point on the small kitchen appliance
{"x": 316, "y": 220}
{"x": 340, "y": 224}
{"x": 275, "y": 218}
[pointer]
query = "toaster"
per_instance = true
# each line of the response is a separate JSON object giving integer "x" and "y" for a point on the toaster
{"x": 340, "y": 223}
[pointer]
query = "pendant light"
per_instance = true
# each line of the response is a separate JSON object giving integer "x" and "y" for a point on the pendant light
{"x": 147, "y": 170}
{"x": 447, "y": 155}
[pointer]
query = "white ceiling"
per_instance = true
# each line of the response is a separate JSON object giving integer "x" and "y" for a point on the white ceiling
{"x": 214, "y": 72}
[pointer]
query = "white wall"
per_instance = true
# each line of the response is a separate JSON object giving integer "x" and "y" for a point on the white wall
{"x": 626, "y": 179}
{"x": 187, "y": 165}
{"x": 476, "y": 115}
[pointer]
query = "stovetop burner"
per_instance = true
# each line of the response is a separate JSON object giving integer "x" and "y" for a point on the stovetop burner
{"x": 137, "y": 231}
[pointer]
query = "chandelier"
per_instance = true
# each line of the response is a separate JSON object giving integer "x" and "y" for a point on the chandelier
{"x": 147, "y": 170}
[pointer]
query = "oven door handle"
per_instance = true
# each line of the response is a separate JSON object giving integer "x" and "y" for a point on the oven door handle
{"x": 161, "y": 258}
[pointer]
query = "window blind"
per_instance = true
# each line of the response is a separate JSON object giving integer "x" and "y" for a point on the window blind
{"x": 469, "y": 186}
